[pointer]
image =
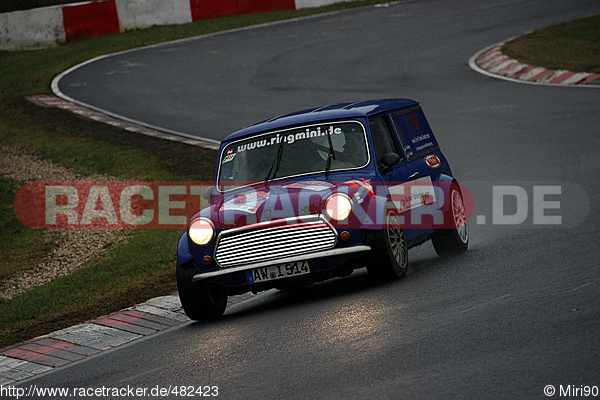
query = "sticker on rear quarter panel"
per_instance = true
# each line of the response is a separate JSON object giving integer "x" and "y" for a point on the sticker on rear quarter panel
{"x": 432, "y": 161}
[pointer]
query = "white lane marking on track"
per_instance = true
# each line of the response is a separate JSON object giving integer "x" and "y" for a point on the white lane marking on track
{"x": 485, "y": 303}
{"x": 581, "y": 286}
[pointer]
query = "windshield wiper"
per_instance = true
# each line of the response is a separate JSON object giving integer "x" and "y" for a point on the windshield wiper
{"x": 330, "y": 156}
{"x": 276, "y": 162}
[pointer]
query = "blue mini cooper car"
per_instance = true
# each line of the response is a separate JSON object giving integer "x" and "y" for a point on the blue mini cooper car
{"x": 315, "y": 194}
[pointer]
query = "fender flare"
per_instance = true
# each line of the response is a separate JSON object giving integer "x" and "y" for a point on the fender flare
{"x": 183, "y": 251}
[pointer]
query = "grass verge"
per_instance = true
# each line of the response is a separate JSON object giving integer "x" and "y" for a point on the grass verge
{"x": 16, "y": 254}
{"x": 572, "y": 46}
{"x": 128, "y": 273}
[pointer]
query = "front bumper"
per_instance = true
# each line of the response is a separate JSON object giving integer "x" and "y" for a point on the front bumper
{"x": 303, "y": 257}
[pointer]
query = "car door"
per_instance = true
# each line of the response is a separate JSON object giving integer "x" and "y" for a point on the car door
{"x": 385, "y": 142}
{"x": 394, "y": 176}
{"x": 423, "y": 159}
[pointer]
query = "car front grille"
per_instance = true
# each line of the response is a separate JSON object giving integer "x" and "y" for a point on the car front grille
{"x": 275, "y": 239}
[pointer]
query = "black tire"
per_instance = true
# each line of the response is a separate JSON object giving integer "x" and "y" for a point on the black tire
{"x": 455, "y": 239}
{"x": 200, "y": 301}
{"x": 389, "y": 254}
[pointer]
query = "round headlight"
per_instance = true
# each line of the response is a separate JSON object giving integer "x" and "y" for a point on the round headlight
{"x": 201, "y": 231}
{"x": 338, "y": 206}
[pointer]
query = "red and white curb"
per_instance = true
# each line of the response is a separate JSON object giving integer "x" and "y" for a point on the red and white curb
{"x": 492, "y": 62}
{"x": 57, "y": 349}
{"x": 131, "y": 126}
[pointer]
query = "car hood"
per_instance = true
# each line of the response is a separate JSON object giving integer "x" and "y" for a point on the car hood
{"x": 270, "y": 201}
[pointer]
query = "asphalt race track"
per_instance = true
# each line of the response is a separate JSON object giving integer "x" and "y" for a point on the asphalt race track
{"x": 516, "y": 313}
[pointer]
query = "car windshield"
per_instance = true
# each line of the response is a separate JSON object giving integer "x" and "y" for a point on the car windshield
{"x": 293, "y": 152}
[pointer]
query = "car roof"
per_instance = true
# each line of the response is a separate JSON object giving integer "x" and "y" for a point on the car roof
{"x": 331, "y": 112}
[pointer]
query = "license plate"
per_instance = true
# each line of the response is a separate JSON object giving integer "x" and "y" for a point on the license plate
{"x": 278, "y": 271}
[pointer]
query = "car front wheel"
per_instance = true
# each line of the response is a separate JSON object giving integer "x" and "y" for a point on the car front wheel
{"x": 201, "y": 301}
{"x": 389, "y": 259}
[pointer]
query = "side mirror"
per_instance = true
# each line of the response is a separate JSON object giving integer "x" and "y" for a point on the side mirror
{"x": 388, "y": 160}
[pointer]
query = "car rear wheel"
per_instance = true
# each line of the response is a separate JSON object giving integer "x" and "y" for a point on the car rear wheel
{"x": 389, "y": 259}
{"x": 455, "y": 240}
{"x": 201, "y": 301}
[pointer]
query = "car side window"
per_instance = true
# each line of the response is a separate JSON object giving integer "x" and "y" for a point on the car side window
{"x": 383, "y": 141}
{"x": 414, "y": 132}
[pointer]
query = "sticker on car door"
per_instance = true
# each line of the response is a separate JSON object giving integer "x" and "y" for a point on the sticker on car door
{"x": 414, "y": 194}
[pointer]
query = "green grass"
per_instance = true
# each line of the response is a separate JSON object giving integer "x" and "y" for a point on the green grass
{"x": 141, "y": 269}
{"x": 129, "y": 273}
{"x": 572, "y": 46}
{"x": 16, "y": 254}
{"x": 92, "y": 148}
